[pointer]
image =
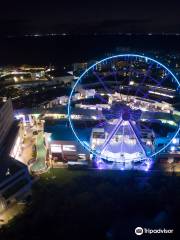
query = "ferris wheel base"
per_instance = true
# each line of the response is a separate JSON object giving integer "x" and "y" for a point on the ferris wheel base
{"x": 125, "y": 158}
{"x": 138, "y": 164}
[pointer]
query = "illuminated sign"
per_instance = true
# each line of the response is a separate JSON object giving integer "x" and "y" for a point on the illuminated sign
{"x": 56, "y": 148}
{"x": 69, "y": 148}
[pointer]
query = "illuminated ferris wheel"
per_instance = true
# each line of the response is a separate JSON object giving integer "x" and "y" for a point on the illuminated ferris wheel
{"x": 122, "y": 109}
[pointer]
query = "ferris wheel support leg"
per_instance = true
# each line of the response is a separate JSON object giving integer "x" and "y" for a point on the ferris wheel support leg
{"x": 111, "y": 134}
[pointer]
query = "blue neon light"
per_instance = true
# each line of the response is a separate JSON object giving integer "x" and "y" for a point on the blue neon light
{"x": 103, "y": 60}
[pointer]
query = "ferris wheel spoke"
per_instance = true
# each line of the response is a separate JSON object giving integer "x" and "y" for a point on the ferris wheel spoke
{"x": 129, "y": 79}
{"x": 155, "y": 88}
{"x": 145, "y": 95}
{"x": 140, "y": 91}
{"x": 144, "y": 79}
{"x": 144, "y": 125}
{"x": 154, "y": 80}
{"x": 101, "y": 98}
{"x": 102, "y": 83}
{"x": 115, "y": 77}
{"x": 117, "y": 86}
{"x": 122, "y": 142}
{"x": 101, "y": 124}
{"x": 158, "y": 82}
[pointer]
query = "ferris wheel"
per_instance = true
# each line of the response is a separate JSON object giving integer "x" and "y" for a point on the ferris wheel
{"x": 122, "y": 109}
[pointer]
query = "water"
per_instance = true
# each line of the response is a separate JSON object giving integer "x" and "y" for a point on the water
{"x": 61, "y": 132}
{"x": 61, "y": 50}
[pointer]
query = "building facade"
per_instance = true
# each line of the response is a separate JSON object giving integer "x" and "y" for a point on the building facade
{"x": 6, "y": 119}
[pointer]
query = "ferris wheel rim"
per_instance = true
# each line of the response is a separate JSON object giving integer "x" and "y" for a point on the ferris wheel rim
{"x": 83, "y": 143}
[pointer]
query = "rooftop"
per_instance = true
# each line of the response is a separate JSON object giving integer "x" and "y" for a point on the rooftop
{"x": 9, "y": 167}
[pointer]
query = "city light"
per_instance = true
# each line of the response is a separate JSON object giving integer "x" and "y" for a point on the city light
{"x": 175, "y": 141}
{"x": 56, "y": 148}
{"x": 172, "y": 148}
{"x": 15, "y": 79}
{"x": 161, "y": 94}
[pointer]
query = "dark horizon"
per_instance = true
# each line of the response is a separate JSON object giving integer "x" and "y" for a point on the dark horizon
{"x": 116, "y": 26}
{"x": 84, "y": 17}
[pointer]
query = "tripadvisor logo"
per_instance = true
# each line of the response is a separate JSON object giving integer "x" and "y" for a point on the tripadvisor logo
{"x": 140, "y": 231}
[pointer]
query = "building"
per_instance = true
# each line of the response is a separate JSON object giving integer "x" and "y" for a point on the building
{"x": 61, "y": 77}
{"x": 17, "y": 145}
{"x": 6, "y": 119}
{"x": 82, "y": 66}
{"x": 62, "y": 145}
{"x": 63, "y": 151}
{"x": 22, "y": 74}
{"x": 15, "y": 182}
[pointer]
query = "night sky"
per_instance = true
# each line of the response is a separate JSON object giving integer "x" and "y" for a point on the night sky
{"x": 96, "y": 15}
